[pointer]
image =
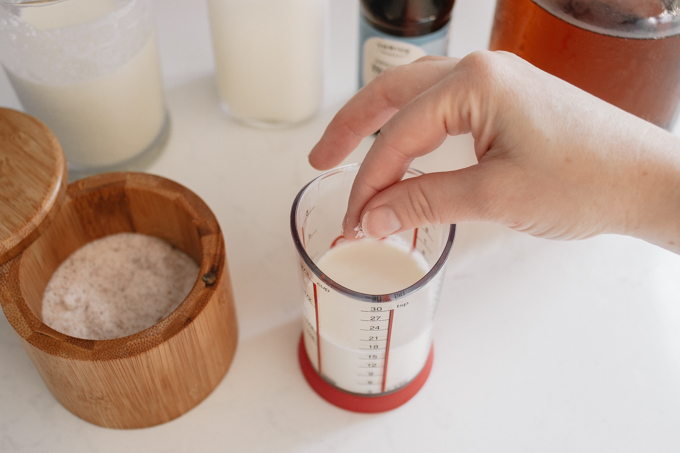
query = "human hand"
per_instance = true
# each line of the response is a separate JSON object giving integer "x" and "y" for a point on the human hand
{"x": 554, "y": 161}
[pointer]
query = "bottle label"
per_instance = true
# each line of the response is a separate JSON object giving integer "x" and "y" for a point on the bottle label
{"x": 379, "y": 51}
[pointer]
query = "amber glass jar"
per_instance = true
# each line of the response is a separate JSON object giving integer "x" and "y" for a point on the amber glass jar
{"x": 626, "y": 52}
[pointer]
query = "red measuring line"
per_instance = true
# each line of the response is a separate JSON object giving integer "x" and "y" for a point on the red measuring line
{"x": 316, "y": 305}
{"x": 318, "y": 332}
{"x": 415, "y": 239}
{"x": 337, "y": 239}
{"x": 387, "y": 349}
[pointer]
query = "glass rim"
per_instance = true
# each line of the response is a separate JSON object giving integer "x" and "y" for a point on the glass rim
{"x": 22, "y": 3}
{"x": 664, "y": 25}
{"x": 30, "y": 2}
{"x": 365, "y": 297}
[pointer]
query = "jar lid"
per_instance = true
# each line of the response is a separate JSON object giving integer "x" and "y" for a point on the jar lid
{"x": 33, "y": 180}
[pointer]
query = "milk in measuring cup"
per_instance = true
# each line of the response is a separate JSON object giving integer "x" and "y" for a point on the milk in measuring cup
{"x": 373, "y": 267}
{"x": 372, "y": 348}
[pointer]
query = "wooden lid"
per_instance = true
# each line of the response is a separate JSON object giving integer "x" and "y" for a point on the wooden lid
{"x": 33, "y": 179}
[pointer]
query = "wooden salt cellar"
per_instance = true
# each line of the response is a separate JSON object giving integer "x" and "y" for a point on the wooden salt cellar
{"x": 140, "y": 380}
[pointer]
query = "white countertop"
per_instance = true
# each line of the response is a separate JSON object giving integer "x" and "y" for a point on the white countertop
{"x": 539, "y": 345}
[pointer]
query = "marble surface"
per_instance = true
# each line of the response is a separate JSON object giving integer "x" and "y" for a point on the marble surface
{"x": 539, "y": 345}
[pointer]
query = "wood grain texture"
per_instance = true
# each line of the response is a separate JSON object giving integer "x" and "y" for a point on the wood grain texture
{"x": 33, "y": 176}
{"x": 152, "y": 376}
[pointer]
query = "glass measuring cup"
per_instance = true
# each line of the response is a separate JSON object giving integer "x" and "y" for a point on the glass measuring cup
{"x": 363, "y": 352}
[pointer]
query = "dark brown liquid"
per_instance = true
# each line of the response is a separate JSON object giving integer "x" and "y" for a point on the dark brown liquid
{"x": 407, "y": 17}
{"x": 641, "y": 76}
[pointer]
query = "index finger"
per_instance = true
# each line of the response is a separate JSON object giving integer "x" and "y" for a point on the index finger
{"x": 417, "y": 129}
{"x": 374, "y": 105}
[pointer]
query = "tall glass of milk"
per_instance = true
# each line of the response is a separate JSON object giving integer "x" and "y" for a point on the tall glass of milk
{"x": 269, "y": 58}
{"x": 368, "y": 305}
{"x": 90, "y": 70}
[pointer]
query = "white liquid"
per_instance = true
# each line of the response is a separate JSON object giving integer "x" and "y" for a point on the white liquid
{"x": 99, "y": 121}
{"x": 67, "y": 13}
{"x": 373, "y": 267}
{"x": 354, "y": 334}
{"x": 359, "y": 371}
{"x": 268, "y": 57}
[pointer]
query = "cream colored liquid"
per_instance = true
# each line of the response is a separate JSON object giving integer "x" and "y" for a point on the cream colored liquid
{"x": 68, "y": 13}
{"x": 353, "y": 354}
{"x": 268, "y": 55}
{"x": 372, "y": 267}
{"x": 102, "y": 121}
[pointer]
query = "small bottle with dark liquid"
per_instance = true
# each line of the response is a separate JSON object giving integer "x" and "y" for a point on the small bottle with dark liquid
{"x": 397, "y": 32}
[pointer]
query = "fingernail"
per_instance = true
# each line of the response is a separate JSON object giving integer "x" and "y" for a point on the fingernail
{"x": 380, "y": 222}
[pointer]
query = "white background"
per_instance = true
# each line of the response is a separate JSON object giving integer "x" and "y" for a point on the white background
{"x": 539, "y": 346}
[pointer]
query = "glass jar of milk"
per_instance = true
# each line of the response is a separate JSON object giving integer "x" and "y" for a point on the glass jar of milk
{"x": 269, "y": 58}
{"x": 90, "y": 70}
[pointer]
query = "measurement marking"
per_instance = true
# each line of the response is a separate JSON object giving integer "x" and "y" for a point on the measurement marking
{"x": 372, "y": 349}
{"x": 415, "y": 238}
{"x": 373, "y": 330}
{"x": 318, "y": 331}
{"x": 425, "y": 245}
{"x": 387, "y": 349}
{"x": 374, "y": 320}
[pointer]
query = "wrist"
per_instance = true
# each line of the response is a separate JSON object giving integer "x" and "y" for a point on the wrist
{"x": 659, "y": 191}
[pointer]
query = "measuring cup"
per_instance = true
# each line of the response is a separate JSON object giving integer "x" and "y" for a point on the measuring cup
{"x": 363, "y": 352}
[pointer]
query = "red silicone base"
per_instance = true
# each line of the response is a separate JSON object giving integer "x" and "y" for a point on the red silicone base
{"x": 359, "y": 403}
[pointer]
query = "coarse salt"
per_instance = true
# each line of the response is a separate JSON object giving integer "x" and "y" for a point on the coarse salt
{"x": 117, "y": 286}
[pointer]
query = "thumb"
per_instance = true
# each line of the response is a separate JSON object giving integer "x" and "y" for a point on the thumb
{"x": 430, "y": 199}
